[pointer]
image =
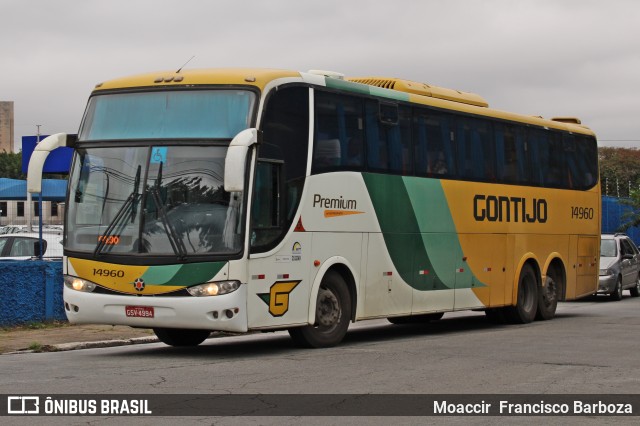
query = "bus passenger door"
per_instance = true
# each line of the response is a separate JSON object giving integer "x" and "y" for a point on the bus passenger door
{"x": 278, "y": 274}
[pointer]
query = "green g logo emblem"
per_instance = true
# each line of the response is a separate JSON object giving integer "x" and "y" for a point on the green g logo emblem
{"x": 278, "y": 297}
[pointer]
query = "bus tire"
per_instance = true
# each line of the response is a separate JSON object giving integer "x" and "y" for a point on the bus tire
{"x": 527, "y": 303}
{"x": 416, "y": 319}
{"x": 547, "y": 299}
{"x": 333, "y": 313}
{"x": 181, "y": 337}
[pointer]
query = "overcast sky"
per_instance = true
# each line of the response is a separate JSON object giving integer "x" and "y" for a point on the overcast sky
{"x": 540, "y": 57}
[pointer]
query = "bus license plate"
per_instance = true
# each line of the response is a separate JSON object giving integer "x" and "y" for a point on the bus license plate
{"x": 139, "y": 311}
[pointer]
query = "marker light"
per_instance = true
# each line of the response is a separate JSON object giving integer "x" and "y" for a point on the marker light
{"x": 216, "y": 288}
{"x": 79, "y": 284}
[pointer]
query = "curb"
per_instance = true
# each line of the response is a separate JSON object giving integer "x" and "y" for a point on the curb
{"x": 62, "y": 347}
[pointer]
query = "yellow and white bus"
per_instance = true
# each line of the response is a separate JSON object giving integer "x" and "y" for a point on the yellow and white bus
{"x": 252, "y": 199}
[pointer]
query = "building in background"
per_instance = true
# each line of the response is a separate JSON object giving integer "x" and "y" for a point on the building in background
{"x": 14, "y": 213}
{"x": 6, "y": 126}
{"x": 15, "y": 209}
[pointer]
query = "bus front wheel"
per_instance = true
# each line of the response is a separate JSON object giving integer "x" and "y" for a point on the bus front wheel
{"x": 526, "y": 306}
{"x": 181, "y": 337}
{"x": 333, "y": 313}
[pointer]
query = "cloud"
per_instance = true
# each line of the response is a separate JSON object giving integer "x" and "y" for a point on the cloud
{"x": 536, "y": 57}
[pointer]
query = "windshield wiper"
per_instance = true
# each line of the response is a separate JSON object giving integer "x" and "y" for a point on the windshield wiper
{"x": 176, "y": 243}
{"x": 122, "y": 211}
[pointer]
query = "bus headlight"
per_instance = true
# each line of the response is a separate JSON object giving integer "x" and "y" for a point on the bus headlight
{"x": 79, "y": 284}
{"x": 216, "y": 288}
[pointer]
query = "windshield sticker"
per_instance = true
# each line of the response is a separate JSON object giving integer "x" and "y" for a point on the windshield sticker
{"x": 159, "y": 154}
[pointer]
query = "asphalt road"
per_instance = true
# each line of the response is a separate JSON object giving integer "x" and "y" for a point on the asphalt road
{"x": 591, "y": 347}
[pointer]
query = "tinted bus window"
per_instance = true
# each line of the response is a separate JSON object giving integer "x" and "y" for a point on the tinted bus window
{"x": 475, "y": 148}
{"x": 433, "y": 147}
{"x": 282, "y": 165}
{"x": 339, "y": 134}
{"x": 511, "y": 155}
{"x": 388, "y": 136}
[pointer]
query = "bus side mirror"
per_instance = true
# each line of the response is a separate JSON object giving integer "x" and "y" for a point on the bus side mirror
{"x": 236, "y": 159}
{"x": 40, "y": 154}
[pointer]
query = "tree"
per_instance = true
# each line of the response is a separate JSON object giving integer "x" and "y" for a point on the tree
{"x": 619, "y": 166}
{"x": 631, "y": 217}
{"x": 11, "y": 165}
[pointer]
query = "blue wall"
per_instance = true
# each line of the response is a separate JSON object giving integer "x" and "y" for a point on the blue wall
{"x": 612, "y": 211}
{"x": 30, "y": 291}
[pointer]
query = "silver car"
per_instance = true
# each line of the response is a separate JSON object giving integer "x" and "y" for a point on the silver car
{"x": 619, "y": 266}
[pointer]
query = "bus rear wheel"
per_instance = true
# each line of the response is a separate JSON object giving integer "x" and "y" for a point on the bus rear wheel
{"x": 547, "y": 299}
{"x": 527, "y": 304}
{"x": 181, "y": 337}
{"x": 333, "y": 313}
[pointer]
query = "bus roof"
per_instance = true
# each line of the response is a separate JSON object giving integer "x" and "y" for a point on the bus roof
{"x": 232, "y": 76}
{"x": 393, "y": 88}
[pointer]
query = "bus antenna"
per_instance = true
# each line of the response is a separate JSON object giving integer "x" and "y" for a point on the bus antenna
{"x": 180, "y": 69}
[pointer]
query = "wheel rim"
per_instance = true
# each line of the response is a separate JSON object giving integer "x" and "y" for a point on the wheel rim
{"x": 328, "y": 310}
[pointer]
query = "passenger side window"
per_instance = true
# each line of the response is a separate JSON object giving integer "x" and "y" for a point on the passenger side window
{"x": 626, "y": 247}
{"x": 339, "y": 133}
{"x": 580, "y": 155}
{"x": 433, "y": 144}
{"x": 510, "y": 153}
{"x": 388, "y": 136}
{"x": 474, "y": 149}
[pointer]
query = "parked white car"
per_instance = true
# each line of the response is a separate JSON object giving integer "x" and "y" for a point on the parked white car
{"x": 24, "y": 246}
{"x": 619, "y": 266}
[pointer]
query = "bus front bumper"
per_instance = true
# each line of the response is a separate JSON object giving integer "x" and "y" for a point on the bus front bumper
{"x": 216, "y": 313}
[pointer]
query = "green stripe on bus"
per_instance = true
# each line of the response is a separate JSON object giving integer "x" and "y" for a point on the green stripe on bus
{"x": 335, "y": 83}
{"x": 387, "y": 93}
{"x": 186, "y": 275}
{"x": 418, "y": 231}
{"x": 365, "y": 89}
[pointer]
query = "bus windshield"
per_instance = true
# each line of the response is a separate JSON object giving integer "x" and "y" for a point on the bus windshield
{"x": 180, "y": 114}
{"x": 152, "y": 200}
